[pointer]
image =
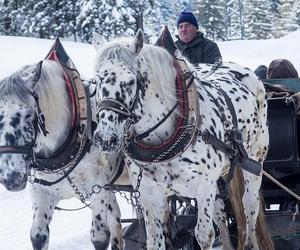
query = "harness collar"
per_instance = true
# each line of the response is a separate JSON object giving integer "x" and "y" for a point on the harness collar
{"x": 186, "y": 123}
{"x": 77, "y": 144}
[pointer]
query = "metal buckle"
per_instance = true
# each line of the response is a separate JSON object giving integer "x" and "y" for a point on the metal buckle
{"x": 227, "y": 125}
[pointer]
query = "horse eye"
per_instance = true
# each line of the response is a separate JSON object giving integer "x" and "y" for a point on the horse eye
{"x": 27, "y": 117}
{"x": 131, "y": 82}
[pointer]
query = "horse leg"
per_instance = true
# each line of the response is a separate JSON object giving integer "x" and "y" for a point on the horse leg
{"x": 101, "y": 208}
{"x": 114, "y": 221}
{"x": 220, "y": 218}
{"x": 43, "y": 204}
{"x": 156, "y": 217}
{"x": 251, "y": 201}
{"x": 204, "y": 231}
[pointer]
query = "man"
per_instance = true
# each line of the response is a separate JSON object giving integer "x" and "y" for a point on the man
{"x": 192, "y": 43}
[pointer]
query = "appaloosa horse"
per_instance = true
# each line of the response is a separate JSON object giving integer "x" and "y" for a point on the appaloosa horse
{"x": 41, "y": 139}
{"x": 143, "y": 110}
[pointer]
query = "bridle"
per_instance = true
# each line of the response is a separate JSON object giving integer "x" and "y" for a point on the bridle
{"x": 38, "y": 126}
{"x": 121, "y": 108}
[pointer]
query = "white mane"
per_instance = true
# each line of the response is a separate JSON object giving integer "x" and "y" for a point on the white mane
{"x": 54, "y": 103}
{"x": 155, "y": 60}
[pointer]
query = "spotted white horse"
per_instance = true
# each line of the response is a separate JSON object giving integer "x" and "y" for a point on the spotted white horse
{"x": 27, "y": 96}
{"x": 135, "y": 92}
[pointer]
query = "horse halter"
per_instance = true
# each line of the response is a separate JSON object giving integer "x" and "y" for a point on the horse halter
{"x": 120, "y": 108}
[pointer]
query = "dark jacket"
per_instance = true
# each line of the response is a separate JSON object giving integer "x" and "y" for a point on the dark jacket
{"x": 199, "y": 50}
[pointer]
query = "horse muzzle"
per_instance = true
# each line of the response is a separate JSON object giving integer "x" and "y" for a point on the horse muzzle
{"x": 106, "y": 142}
{"x": 15, "y": 181}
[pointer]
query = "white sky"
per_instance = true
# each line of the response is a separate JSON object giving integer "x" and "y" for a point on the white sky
{"x": 70, "y": 230}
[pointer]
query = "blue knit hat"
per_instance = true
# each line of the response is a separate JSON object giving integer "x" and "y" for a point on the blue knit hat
{"x": 187, "y": 17}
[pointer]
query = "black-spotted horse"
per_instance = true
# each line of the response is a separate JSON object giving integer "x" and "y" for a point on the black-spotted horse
{"x": 144, "y": 115}
{"x": 44, "y": 138}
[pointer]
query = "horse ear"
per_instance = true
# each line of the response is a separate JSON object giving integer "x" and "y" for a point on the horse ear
{"x": 98, "y": 40}
{"x": 38, "y": 71}
{"x": 138, "y": 41}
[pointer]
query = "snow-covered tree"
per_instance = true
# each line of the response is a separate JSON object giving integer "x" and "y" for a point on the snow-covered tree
{"x": 257, "y": 20}
{"x": 110, "y": 18}
{"x": 49, "y": 19}
{"x": 283, "y": 18}
{"x": 294, "y": 22}
{"x": 211, "y": 17}
{"x": 11, "y": 17}
{"x": 161, "y": 14}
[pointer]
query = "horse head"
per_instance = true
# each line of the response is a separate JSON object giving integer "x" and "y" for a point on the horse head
{"x": 18, "y": 130}
{"x": 120, "y": 86}
{"x": 30, "y": 107}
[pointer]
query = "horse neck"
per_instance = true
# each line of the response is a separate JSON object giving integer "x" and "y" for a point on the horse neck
{"x": 55, "y": 105}
{"x": 159, "y": 97}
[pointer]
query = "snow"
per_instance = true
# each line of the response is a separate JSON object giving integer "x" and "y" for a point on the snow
{"x": 70, "y": 230}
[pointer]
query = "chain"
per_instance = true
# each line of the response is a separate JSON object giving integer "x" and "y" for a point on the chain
{"x": 136, "y": 194}
{"x": 77, "y": 192}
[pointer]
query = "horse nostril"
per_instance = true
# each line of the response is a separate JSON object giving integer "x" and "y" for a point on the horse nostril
{"x": 15, "y": 181}
{"x": 114, "y": 140}
{"x": 106, "y": 142}
{"x": 97, "y": 139}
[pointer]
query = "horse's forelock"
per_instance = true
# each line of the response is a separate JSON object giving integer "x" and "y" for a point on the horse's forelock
{"x": 14, "y": 86}
{"x": 119, "y": 49}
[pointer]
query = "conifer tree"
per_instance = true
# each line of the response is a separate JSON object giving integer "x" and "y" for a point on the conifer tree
{"x": 159, "y": 15}
{"x": 110, "y": 18}
{"x": 258, "y": 22}
{"x": 11, "y": 17}
{"x": 285, "y": 12}
{"x": 211, "y": 17}
{"x": 294, "y": 22}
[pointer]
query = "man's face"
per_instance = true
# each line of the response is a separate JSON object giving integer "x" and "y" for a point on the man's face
{"x": 187, "y": 32}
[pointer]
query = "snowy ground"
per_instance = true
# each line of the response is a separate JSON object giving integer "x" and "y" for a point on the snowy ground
{"x": 70, "y": 230}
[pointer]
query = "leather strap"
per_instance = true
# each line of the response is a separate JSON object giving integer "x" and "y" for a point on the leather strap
{"x": 186, "y": 125}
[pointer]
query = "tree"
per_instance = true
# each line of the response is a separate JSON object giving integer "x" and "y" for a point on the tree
{"x": 294, "y": 22}
{"x": 212, "y": 17}
{"x": 11, "y": 17}
{"x": 110, "y": 18}
{"x": 284, "y": 15}
{"x": 50, "y": 19}
{"x": 258, "y": 22}
{"x": 157, "y": 16}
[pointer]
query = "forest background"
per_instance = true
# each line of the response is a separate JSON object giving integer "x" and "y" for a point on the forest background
{"x": 76, "y": 20}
